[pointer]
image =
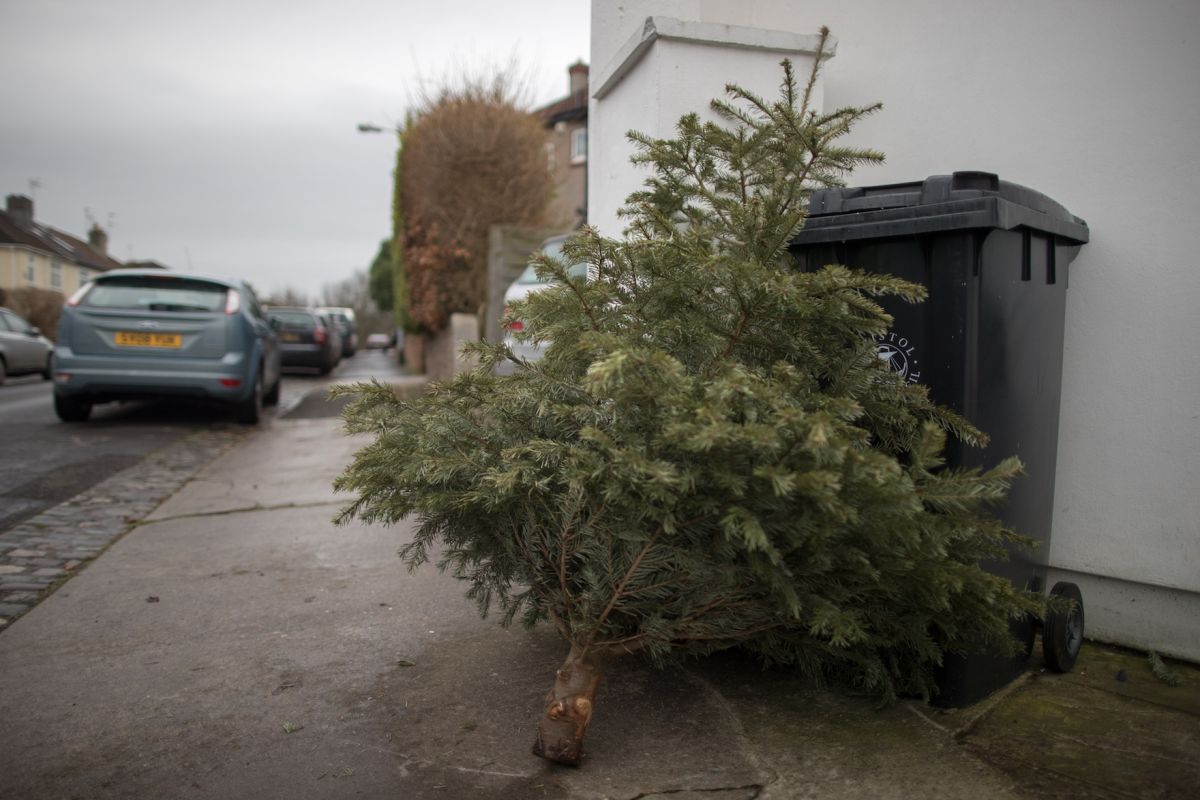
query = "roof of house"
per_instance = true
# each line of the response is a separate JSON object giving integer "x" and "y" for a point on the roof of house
{"x": 570, "y": 108}
{"x": 55, "y": 242}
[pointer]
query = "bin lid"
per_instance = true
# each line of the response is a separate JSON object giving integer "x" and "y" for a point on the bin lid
{"x": 961, "y": 201}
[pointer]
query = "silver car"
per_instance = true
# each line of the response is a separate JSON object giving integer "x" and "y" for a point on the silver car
{"x": 23, "y": 349}
{"x": 527, "y": 283}
{"x": 133, "y": 334}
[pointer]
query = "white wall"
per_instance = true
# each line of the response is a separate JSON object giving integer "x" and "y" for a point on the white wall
{"x": 1094, "y": 103}
{"x": 649, "y": 89}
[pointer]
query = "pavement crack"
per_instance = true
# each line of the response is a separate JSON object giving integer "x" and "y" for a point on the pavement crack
{"x": 495, "y": 773}
{"x": 757, "y": 788}
{"x": 241, "y": 510}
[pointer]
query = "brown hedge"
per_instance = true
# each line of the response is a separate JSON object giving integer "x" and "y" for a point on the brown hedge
{"x": 471, "y": 160}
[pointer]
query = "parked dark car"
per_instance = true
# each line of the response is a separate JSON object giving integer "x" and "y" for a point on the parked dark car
{"x": 306, "y": 338}
{"x": 23, "y": 349}
{"x": 139, "y": 333}
{"x": 343, "y": 318}
{"x": 335, "y": 335}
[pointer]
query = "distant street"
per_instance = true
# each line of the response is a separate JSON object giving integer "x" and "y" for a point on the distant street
{"x": 44, "y": 462}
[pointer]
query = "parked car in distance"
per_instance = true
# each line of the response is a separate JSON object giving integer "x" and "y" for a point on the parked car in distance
{"x": 527, "y": 283}
{"x": 306, "y": 338}
{"x": 335, "y": 335}
{"x": 23, "y": 349}
{"x": 148, "y": 333}
{"x": 378, "y": 341}
{"x": 347, "y": 327}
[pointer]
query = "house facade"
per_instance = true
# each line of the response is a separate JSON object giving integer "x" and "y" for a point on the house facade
{"x": 1090, "y": 104}
{"x": 35, "y": 255}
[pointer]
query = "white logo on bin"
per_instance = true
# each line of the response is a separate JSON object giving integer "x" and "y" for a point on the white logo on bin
{"x": 899, "y": 354}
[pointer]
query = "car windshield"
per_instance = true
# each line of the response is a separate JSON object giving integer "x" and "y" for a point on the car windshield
{"x": 157, "y": 294}
{"x": 553, "y": 250}
{"x": 14, "y": 322}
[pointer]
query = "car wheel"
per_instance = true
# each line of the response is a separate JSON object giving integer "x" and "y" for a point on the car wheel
{"x": 48, "y": 371}
{"x": 249, "y": 411}
{"x": 271, "y": 398}
{"x": 72, "y": 409}
{"x": 1062, "y": 633}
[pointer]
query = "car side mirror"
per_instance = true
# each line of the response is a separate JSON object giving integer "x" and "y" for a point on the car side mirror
{"x": 35, "y": 331}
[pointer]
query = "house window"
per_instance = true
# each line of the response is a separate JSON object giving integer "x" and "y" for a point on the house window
{"x": 29, "y": 269}
{"x": 85, "y": 275}
{"x": 55, "y": 275}
{"x": 578, "y": 145}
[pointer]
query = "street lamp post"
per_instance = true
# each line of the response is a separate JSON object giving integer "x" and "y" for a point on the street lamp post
{"x": 398, "y": 332}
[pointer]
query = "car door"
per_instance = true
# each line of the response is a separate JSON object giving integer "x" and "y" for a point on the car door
{"x": 23, "y": 349}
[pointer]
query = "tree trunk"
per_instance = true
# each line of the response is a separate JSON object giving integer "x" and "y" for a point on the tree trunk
{"x": 569, "y": 706}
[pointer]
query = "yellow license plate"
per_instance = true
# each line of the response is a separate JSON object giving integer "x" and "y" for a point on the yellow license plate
{"x": 130, "y": 339}
{"x": 289, "y": 337}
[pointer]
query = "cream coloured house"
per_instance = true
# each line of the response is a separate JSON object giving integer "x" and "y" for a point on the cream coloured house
{"x": 36, "y": 255}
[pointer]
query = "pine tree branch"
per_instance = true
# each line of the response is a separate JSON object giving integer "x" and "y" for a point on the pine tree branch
{"x": 563, "y": 538}
{"x": 737, "y": 635}
{"x": 620, "y": 590}
{"x": 558, "y": 623}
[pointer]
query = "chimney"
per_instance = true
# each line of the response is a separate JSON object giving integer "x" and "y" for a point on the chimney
{"x": 579, "y": 76}
{"x": 98, "y": 239}
{"x": 20, "y": 208}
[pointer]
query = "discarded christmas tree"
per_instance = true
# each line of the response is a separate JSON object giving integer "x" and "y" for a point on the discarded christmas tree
{"x": 711, "y": 452}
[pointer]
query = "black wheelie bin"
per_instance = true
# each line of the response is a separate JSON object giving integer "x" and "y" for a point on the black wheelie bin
{"x": 988, "y": 343}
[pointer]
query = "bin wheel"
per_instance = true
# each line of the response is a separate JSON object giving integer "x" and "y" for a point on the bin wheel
{"x": 1062, "y": 635}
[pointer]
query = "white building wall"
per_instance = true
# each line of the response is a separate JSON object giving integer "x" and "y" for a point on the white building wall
{"x": 1094, "y": 103}
{"x": 653, "y": 76}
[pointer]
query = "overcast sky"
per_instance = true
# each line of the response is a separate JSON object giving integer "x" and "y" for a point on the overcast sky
{"x": 220, "y": 136}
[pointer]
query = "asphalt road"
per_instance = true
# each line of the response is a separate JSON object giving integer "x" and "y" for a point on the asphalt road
{"x": 44, "y": 462}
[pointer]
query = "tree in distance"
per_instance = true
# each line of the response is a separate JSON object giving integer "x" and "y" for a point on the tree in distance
{"x": 711, "y": 453}
{"x": 381, "y": 283}
{"x": 287, "y": 296}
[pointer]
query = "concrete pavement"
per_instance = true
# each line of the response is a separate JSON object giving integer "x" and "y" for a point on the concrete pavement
{"x": 237, "y": 644}
{"x": 40, "y": 551}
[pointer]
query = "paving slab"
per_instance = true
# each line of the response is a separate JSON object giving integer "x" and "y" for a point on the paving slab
{"x": 1108, "y": 730}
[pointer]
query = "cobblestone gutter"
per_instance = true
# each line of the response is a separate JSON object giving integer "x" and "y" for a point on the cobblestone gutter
{"x": 39, "y": 554}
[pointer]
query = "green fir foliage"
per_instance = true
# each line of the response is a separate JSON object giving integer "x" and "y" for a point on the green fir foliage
{"x": 710, "y": 454}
